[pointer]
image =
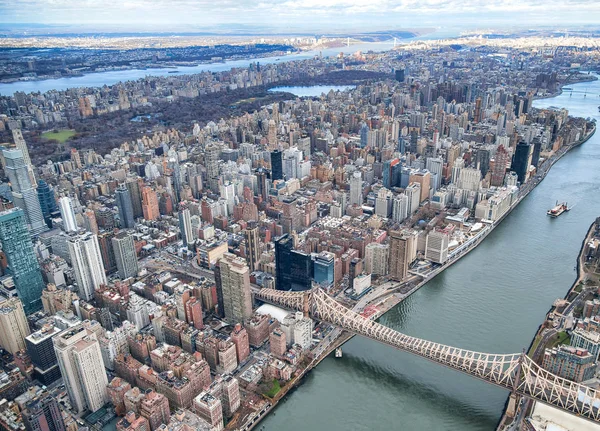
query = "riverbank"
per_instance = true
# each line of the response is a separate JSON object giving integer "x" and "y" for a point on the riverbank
{"x": 589, "y": 78}
{"x": 387, "y": 300}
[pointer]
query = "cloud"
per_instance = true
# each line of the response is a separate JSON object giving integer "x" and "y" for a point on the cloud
{"x": 296, "y": 13}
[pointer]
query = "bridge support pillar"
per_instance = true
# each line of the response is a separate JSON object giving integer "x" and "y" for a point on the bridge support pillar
{"x": 511, "y": 410}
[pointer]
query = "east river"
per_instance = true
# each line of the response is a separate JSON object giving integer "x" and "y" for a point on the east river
{"x": 490, "y": 301}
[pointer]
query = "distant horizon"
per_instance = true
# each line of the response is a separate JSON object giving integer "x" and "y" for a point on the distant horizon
{"x": 295, "y": 16}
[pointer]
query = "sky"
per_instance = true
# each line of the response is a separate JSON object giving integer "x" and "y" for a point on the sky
{"x": 299, "y": 15}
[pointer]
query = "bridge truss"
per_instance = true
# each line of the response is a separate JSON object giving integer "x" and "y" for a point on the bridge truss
{"x": 516, "y": 372}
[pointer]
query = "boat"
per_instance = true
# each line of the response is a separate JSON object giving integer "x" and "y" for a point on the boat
{"x": 338, "y": 353}
{"x": 558, "y": 209}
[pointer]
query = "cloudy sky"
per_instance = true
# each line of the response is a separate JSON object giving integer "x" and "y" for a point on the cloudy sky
{"x": 322, "y": 15}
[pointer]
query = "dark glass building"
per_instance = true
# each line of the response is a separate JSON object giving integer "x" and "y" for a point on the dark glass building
{"x": 22, "y": 263}
{"x": 276, "y": 165}
{"x": 293, "y": 268}
{"x": 47, "y": 202}
{"x": 520, "y": 162}
{"x": 123, "y": 198}
{"x": 41, "y": 351}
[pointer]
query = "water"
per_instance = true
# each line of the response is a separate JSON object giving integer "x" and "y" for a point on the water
{"x": 112, "y": 77}
{"x": 312, "y": 90}
{"x": 493, "y": 300}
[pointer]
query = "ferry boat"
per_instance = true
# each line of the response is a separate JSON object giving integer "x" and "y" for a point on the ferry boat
{"x": 338, "y": 353}
{"x": 558, "y": 209}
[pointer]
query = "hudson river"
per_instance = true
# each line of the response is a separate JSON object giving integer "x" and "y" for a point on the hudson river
{"x": 492, "y": 300}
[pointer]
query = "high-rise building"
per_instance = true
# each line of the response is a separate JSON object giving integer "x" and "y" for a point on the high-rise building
{"x": 277, "y": 342}
{"x": 185, "y": 225}
{"x": 13, "y": 325}
{"x": 150, "y": 204}
{"x": 67, "y": 213}
{"x": 232, "y": 277}
{"x": 501, "y": 160}
{"x": 323, "y": 267}
{"x": 155, "y": 408}
{"x": 22, "y": 263}
{"x": 252, "y": 246}
{"x": 87, "y": 263}
{"x": 41, "y": 351}
{"x": 400, "y": 255}
{"x": 423, "y": 178}
{"x": 377, "y": 258}
{"x": 135, "y": 193}
{"x": 42, "y": 413}
{"x": 125, "y": 255}
{"x": 23, "y": 191}
{"x": 107, "y": 251}
{"x": 47, "y": 201}
{"x": 80, "y": 361}
{"x": 22, "y": 146}
{"x": 436, "y": 248}
{"x": 521, "y": 161}
{"x": 293, "y": 268}
{"x": 276, "y": 165}
{"x": 212, "y": 154}
{"x": 356, "y": 190}
{"x": 570, "y": 363}
{"x": 125, "y": 206}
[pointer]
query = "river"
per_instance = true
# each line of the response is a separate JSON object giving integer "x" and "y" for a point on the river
{"x": 492, "y": 300}
{"x": 112, "y": 77}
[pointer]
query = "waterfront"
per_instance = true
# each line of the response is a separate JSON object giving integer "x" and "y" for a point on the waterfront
{"x": 112, "y": 77}
{"x": 492, "y": 300}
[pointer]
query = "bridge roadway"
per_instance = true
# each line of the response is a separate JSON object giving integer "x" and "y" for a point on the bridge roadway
{"x": 515, "y": 372}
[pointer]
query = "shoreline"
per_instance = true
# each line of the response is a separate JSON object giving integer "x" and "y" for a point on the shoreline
{"x": 391, "y": 300}
{"x": 592, "y": 78}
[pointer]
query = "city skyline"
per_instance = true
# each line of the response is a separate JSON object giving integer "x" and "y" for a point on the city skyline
{"x": 299, "y": 15}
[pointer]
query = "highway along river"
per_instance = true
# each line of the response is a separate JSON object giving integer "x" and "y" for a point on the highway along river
{"x": 491, "y": 301}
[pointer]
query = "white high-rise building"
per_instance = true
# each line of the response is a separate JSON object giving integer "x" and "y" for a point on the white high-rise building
{"x": 67, "y": 212}
{"x": 22, "y": 145}
{"x": 436, "y": 249}
{"x": 356, "y": 196}
{"x": 87, "y": 263}
{"x": 400, "y": 208}
{"x": 24, "y": 191}
{"x": 227, "y": 192}
{"x": 435, "y": 165}
{"x": 413, "y": 193}
{"x": 125, "y": 255}
{"x": 383, "y": 203}
{"x": 470, "y": 179}
{"x": 291, "y": 162}
{"x": 376, "y": 258}
{"x": 82, "y": 368}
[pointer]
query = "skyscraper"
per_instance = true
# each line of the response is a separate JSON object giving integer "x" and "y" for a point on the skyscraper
{"x": 22, "y": 146}
{"x": 23, "y": 191}
{"x": 135, "y": 193}
{"x": 276, "y": 165}
{"x": 212, "y": 153}
{"x": 42, "y": 413}
{"x": 232, "y": 277}
{"x": 185, "y": 225}
{"x": 80, "y": 361}
{"x": 125, "y": 206}
{"x": 150, "y": 204}
{"x": 521, "y": 161}
{"x": 47, "y": 201}
{"x": 125, "y": 255}
{"x": 252, "y": 246}
{"x": 65, "y": 205}
{"x": 400, "y": 255}
{"x": 22, "y": 263}
{"x": 13, "y": 325}
{"x": 293, "y": 268}
{"x": 41, "y": 351}
{"x": 500, "y": 162}
{"x": 356, "y": 196}
{"x": 87, "y": 263}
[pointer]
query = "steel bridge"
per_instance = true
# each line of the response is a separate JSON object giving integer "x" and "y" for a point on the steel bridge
{"x": 515, "y": 372}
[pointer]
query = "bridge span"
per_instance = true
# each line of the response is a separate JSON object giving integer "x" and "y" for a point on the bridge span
{"x": 515, "y": 372}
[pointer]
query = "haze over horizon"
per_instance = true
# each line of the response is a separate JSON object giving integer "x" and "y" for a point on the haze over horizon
{"x": 297, "y": 15}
